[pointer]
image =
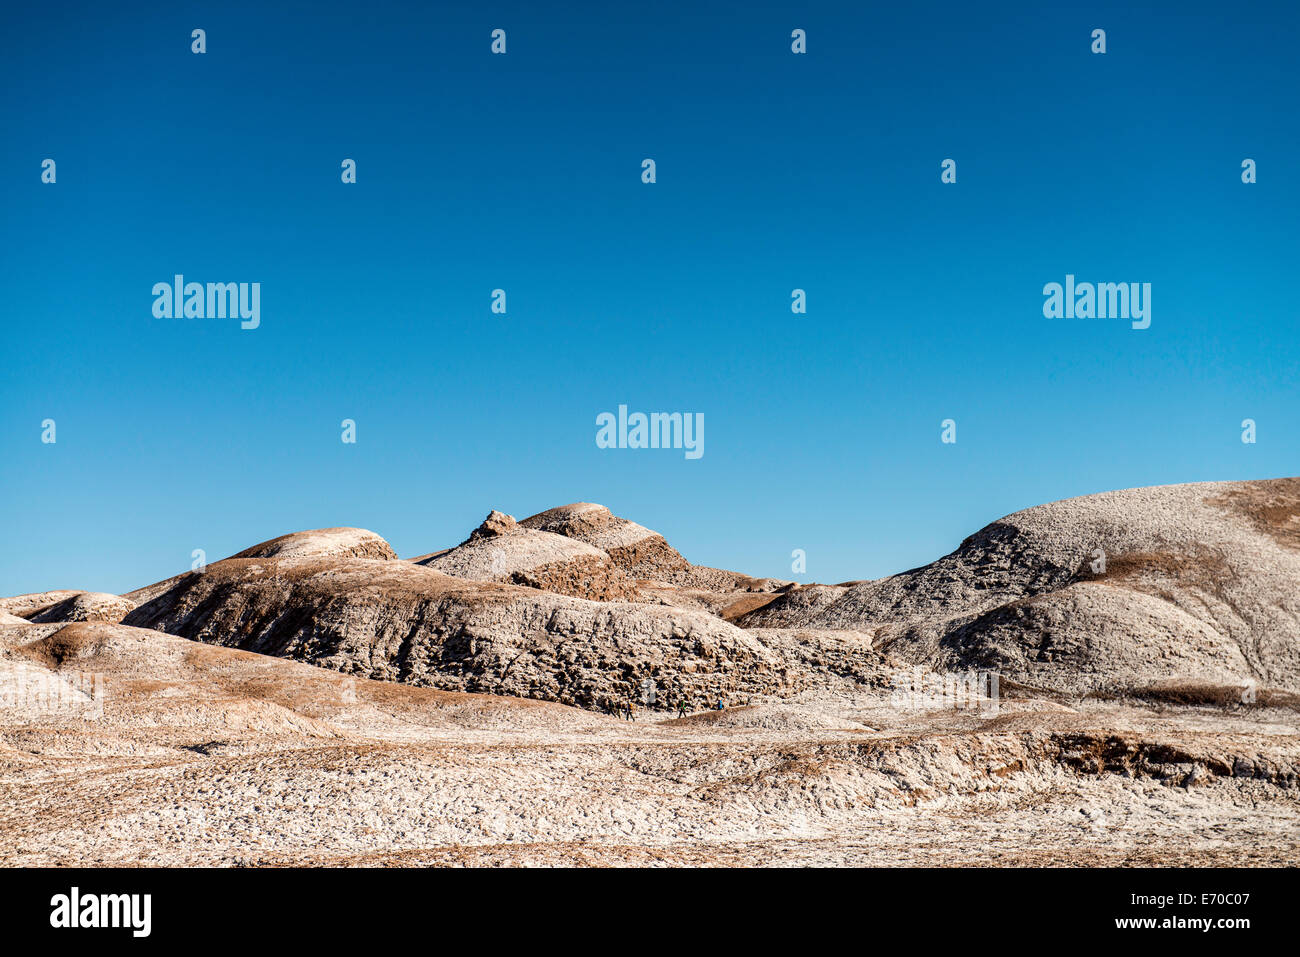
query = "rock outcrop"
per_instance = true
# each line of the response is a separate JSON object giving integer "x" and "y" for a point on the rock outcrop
{"x": 501, "y": 550}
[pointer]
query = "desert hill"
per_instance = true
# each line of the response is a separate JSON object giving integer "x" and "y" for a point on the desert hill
{"x": 323, "y": 543}
{"x": 1199, "y": 581}
{"x": 400, "y": 621}
{"x": 1148, "y": 709}
{"x": 1110, "y": 593}
{"x": 642, "y": 553}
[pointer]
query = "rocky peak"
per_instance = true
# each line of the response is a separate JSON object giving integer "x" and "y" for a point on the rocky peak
{"x": 497, "y": 523}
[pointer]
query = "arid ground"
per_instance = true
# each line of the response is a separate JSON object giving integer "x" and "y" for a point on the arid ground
{"x": 317, "y": 700}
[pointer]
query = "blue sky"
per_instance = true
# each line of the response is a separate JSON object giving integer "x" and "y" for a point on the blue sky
{"x": 523, "y": 172}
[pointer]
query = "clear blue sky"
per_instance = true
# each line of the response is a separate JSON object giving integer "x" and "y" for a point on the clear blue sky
{"x": 522, "y": 171}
